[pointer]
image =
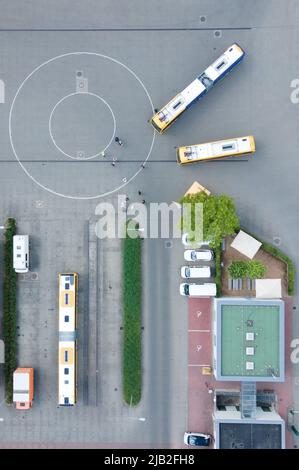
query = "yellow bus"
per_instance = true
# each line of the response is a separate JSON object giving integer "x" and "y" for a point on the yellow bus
{"x": 167, "y": 115}
{"x": 67, "y": 346}
{"x": 216, "y": 150}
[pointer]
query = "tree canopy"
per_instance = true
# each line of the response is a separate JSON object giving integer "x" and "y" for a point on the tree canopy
{"x": 219, "y": 217}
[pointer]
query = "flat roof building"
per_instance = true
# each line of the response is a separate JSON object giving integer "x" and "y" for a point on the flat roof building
{"x": 264, "y": 429}
{"x": 248, "y": 340}
{"x": 243, "y": 434}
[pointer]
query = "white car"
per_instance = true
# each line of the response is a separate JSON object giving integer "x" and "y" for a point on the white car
{"x": 190, "y": 272}
{"x": 208, "y": 289}
{"x": 197, "y": 439}
{"x": 198, "y": 255}
{"x": 187, "y": 242}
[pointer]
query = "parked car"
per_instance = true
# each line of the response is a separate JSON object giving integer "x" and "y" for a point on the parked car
{"x": 197, "y": 439}
{"x": 196, "y": 272}
{"x": 198, "y": 290}
{"x": 187, "y": 242}
{"x": 198, "y": 255}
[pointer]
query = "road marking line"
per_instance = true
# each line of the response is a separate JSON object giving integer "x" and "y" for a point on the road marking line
{"x": 199, "y": 365}
{"x": 199, "y": 331}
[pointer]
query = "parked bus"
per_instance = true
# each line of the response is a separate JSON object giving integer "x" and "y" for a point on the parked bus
{"x": 167, "y": 115}
{"x": 67, "y": 355}
{"x": 21, "y": 253}
{"x": 216, "y": 150}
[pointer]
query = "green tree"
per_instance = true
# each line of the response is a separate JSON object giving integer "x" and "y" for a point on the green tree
{"x": 219, "y": 217}
{"x": 256, "y": 270}
{"x": 238, "y": 269}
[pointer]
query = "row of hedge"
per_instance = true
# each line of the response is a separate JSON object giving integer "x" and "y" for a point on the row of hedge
{"x": 9, "y": 309}
{"x": 218, "y": 275}
{"x": 132, "y": 298}
{"x": 272, "y": 250}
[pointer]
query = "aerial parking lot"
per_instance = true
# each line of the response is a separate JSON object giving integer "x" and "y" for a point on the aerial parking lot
{"x": 74, "y": 78}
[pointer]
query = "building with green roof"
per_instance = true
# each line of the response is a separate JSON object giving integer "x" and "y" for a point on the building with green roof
{"x": 248, "y": 340}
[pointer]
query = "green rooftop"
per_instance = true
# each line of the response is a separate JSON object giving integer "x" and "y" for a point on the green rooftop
{"x": 263, "y": 356}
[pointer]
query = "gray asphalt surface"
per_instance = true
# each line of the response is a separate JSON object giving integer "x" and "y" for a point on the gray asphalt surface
{"x": 166, "y": 44}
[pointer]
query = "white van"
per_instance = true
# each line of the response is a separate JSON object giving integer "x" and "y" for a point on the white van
{"x": 187, "y": 271}
{"x": 21, "y": 253}
{"x": 198, "y": 255}
{"x": 198, "y": 290}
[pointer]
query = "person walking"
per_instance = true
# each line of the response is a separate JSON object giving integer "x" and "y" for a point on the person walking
{"x": 143, "y": 201}
{"x": 139, "y": 192}
{"x": 118, "y": 141}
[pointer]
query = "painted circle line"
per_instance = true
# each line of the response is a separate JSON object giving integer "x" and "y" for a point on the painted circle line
{"x": 97, "y": 54}
{"x": 61, "y": 101}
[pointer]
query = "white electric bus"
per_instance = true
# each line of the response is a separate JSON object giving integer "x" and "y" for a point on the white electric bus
{"x": 167, "y": 115}
{"x": 235, "y": 147}
{"x": 21, "y": 253}
{"x": 67, "y": 345}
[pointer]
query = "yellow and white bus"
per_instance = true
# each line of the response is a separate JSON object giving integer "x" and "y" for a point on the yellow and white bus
{"x": 167, "y": 115}
{"x": 216, "y": 150}
{"x": 67, "y": 349}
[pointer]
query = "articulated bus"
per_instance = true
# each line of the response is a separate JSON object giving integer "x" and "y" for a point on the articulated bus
{"x": 67, "y": 349}
{"x": 216, "y": 150}
{"x": 163, "y": 119}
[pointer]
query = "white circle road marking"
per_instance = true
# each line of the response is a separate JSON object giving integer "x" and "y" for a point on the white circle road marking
{"x": 69, "y": 96}
{"x": 10, "y": 125}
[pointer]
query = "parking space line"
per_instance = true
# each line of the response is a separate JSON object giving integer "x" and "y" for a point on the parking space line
{"x": 199, "y": 331}
{"x": 199, "y": 365}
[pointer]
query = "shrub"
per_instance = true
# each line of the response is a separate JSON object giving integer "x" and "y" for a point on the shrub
{"x": 132, "y": 289}
{"x": 9, "y": 309}
{"x": 238, "y": 269}
{"x": 218, "y": 277}
{"x": 255, "y": 269}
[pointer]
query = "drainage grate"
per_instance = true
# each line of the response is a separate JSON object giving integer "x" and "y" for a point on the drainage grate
{"x": 30, "y": 276}
{"x": 168, "y": 244}
{"x": 217, "y": 33}
{"x": 277, "y": 241}
{"x": 80, "y": 154}
{"x": 81, "y": 85}
{"x": 39, "y": 204}
{"x": 203, "y": 19}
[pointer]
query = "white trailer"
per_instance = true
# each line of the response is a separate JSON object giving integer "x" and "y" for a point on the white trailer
{"x": 21, "y": 253}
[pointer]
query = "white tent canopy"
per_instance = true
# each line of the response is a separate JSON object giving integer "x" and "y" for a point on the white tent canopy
{"x": 268, "y": 288}
{"x": 246, "y": 244}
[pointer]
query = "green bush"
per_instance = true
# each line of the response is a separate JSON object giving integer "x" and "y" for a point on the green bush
{"x": 238, "y": 269}
{"x": 9, "y": 309}
{"x": 272, "y": 250}
{"x": 218, "y": 275}
{"x": 253, "y": 269}
{"x": 132, "y": 290}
